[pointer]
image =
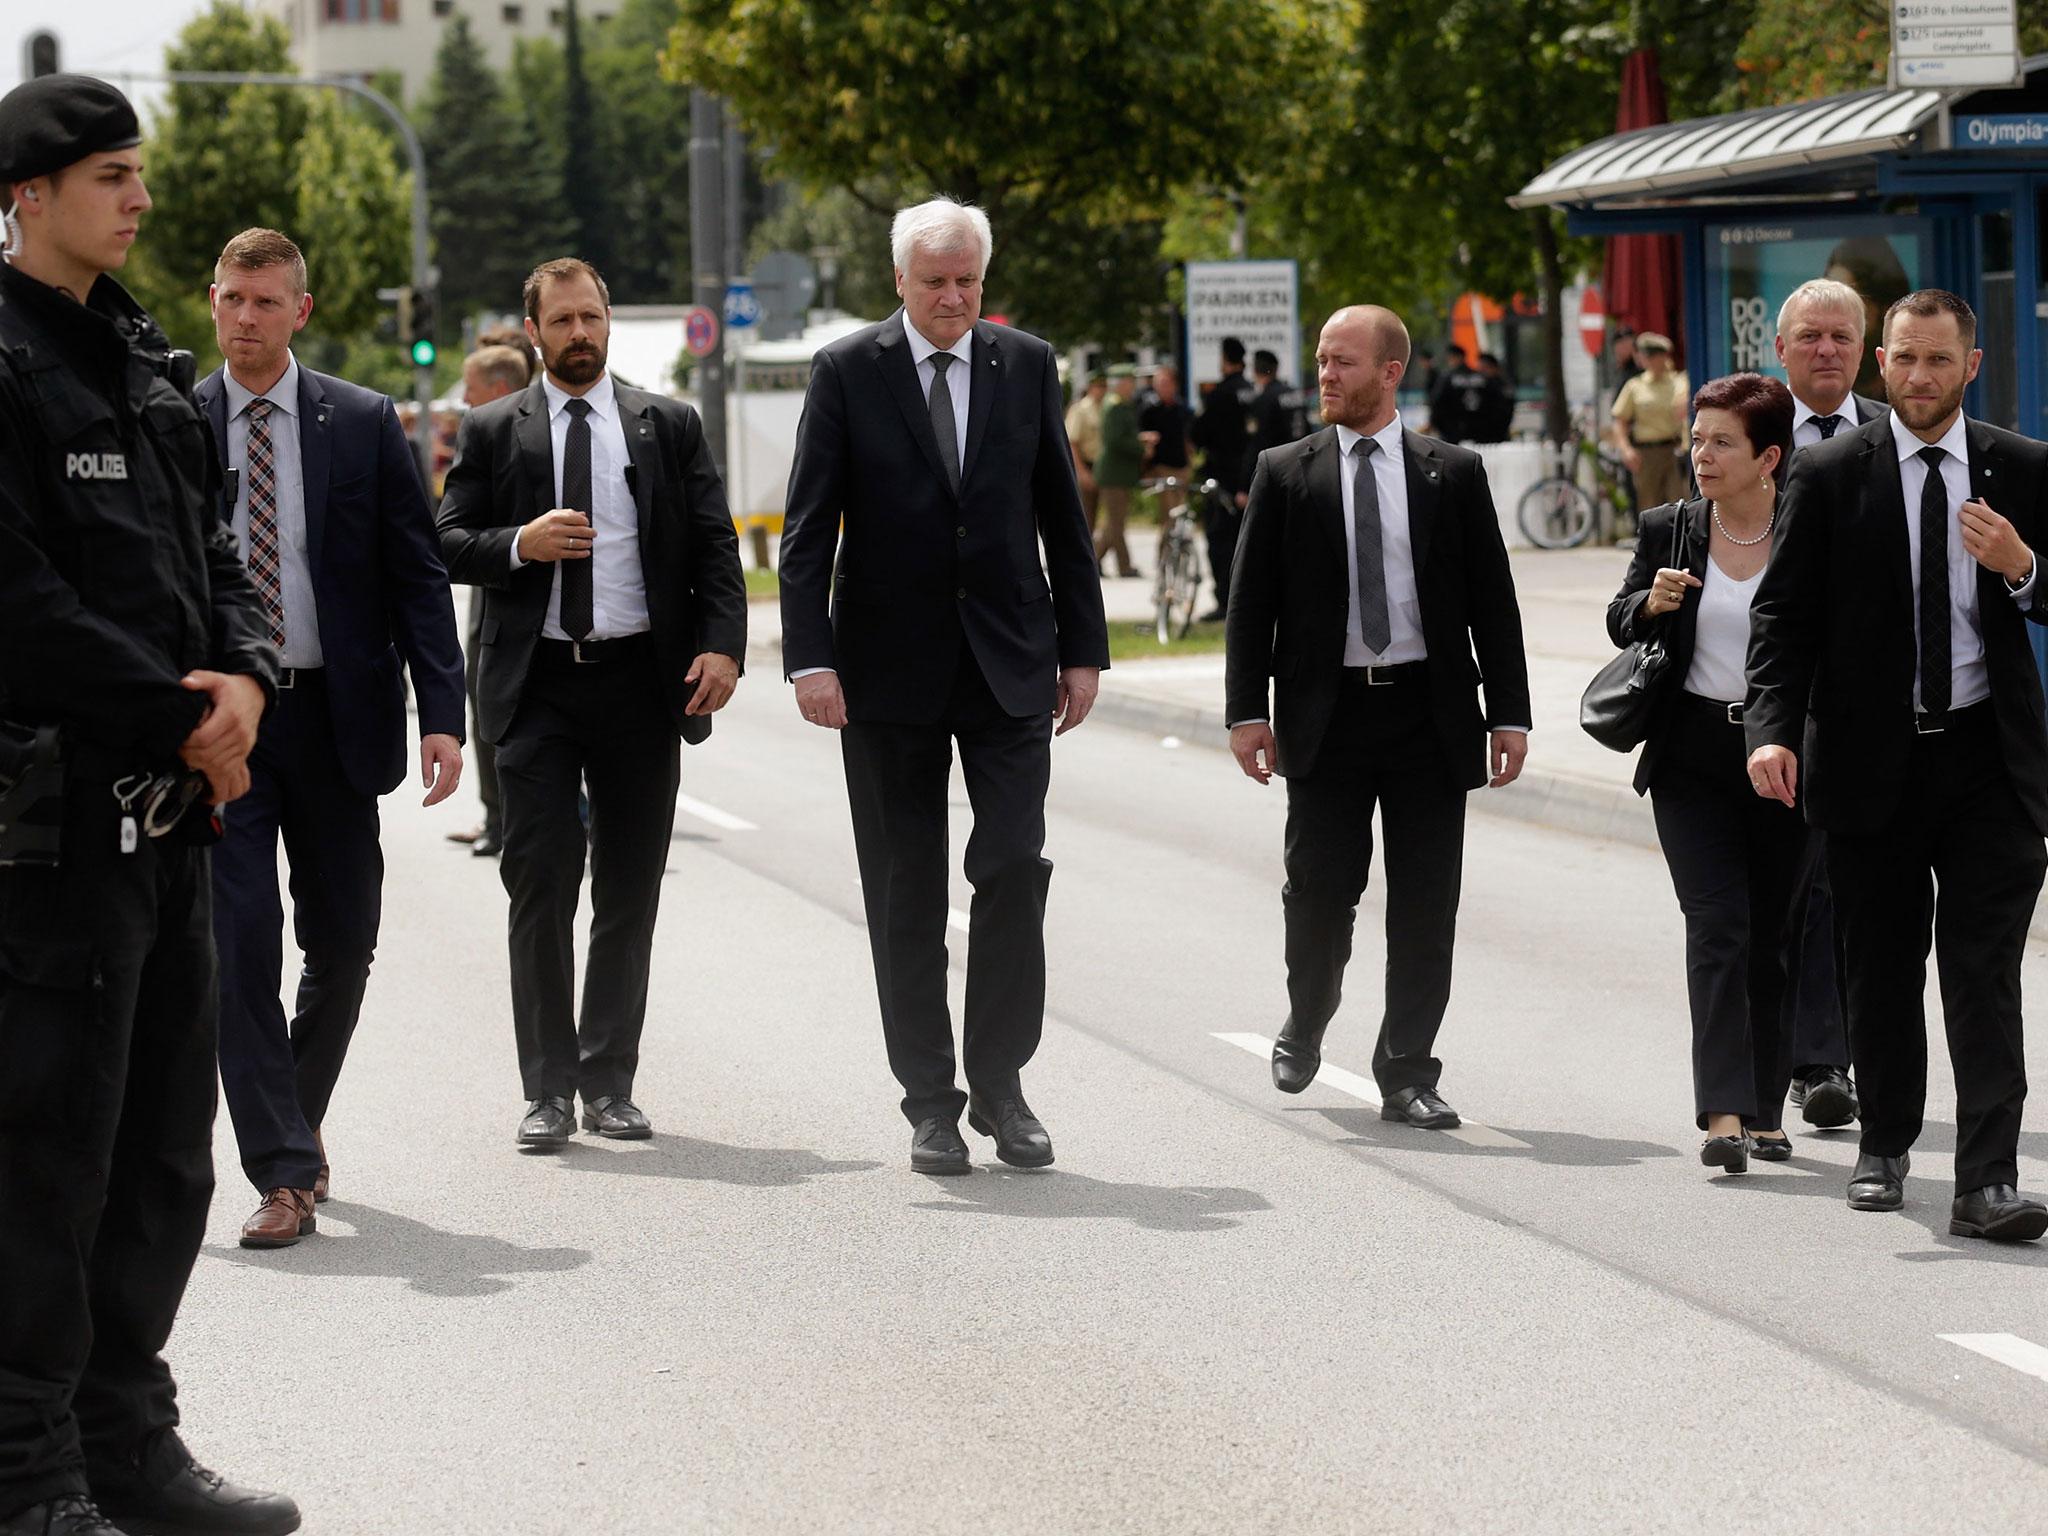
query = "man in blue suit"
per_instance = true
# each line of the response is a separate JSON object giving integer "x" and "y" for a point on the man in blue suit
{"x": 325, "y": 500}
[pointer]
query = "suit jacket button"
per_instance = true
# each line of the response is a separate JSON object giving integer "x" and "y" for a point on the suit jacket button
{"x": 961, "y": 593}
{"x": 962, "y": 532}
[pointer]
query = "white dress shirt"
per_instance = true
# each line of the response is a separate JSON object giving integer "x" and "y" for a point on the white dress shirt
{"x": 959, "y": 378}
{"x": 618, "y": 585}
{"x": 1404, "y": 609}
{"x": 1806, "y": 421}
{"x": 295, "y": 577}
{"x": 1720, "y": 646}
{"x": 1971, "y": 678}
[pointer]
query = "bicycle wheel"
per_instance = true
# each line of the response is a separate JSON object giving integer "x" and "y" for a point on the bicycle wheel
{"x": 1187, "y": 583}
{"x": 1162, "y": 585}
{"x": 1555, "y": 514}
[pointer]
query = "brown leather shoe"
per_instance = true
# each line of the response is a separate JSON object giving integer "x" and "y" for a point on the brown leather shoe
{"x": 285, "y": 1216}
{"x": 320, "y": 1182}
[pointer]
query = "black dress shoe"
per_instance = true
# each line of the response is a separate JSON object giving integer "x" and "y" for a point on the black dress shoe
{"x": 936, "y": 1147}
{"x": 618, "y": 1118}
{"x": 69, "y": 1514}
{"x": 1420, "y": 1107}
{"x": 1771, "y": 1149}
{"x": 548, "y": 1124}
{"x": 1297, "y": 1057}
{"x": 170, "y": 1494}
{"x": 488, "y": 845}
{"x": 1020, "y": 1140}
{"x": 1826, "y": 1098}
{"x": 1999, "y": 1212}
{"x": 1728, "y": 1153}
{"x": 1879, "y": 1183}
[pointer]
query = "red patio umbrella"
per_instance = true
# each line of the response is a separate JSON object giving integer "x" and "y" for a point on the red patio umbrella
{"x": 1642, "y": 283}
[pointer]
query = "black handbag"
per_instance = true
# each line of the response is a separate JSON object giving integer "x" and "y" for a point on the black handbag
{"x": 1616, "y": 707}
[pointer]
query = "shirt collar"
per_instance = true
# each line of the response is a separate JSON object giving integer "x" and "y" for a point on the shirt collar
{"x": 1802, "y": 413}
{"x": 1388, "y": 437}
{"x": 920, "y": 349}
{"x": 1955, "y": 440}
{"x": 284, "y": 394}
{"x": 600, "y": 397}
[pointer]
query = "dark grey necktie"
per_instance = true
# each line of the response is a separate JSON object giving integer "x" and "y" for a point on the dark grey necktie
{"x": 578, "y": 595}
{"x": 1375, "y": 627}
{"x": 1829, "y": 426}
{"x": 942, "y": 419}
{"x": 1936, "y": 666}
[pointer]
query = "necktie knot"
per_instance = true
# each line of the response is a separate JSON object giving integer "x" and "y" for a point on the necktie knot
{"x": 259, "y": 409}
{"x": 1932, "y": 458}
{"x": 1829, "y": 426}
{"x": 1366, "y": 447}
{"x": 941, "y": 361}
{"x": 577, "y": 406}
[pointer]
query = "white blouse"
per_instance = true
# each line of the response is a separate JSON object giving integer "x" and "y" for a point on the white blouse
{"x": 1720, "y": 647}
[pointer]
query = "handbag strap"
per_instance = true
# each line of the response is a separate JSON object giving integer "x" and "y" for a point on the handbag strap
{"x": 1678, "y": 521}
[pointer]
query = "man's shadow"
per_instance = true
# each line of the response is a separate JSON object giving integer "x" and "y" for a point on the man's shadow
{"x": 1051, "y": 1195}
{"x": 1564, "y": 1149}
{"x": 1927, "y": 1205}
{"x": 691, "y": 1157}
{"x": 388, "y": 1246}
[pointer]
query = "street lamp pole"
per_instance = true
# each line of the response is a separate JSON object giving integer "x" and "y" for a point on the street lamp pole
{"x": 423, "y": 277}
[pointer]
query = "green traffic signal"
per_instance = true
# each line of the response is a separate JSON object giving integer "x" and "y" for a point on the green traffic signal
{"x": 423, "y": 352}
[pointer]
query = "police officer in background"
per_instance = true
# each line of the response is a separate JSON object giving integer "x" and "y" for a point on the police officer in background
{"x": 131, "y": 637}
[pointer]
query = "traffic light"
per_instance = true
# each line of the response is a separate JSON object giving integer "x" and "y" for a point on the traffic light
{"x": 39, "y": 55}
{"x": 418, "y": 328}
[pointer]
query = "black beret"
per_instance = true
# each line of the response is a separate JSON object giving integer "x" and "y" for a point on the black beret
{"x": 57, "y": 120}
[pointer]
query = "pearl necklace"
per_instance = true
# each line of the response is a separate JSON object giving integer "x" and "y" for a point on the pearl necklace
{"x": 1743, "y": 543}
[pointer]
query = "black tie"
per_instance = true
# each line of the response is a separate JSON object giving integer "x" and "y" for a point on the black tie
{"x": 1829, "y": 426}
{"x": 578, "y": 611}
{"x": 943, "y": 426}
{"x": 1375, "y": 626}
{"x": 1935, "y": 665}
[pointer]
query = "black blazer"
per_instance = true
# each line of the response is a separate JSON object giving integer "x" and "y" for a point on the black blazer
{"x": 1625, "y": 624}
{"x": 1831, "y": 647}
{"x": 504, "y": 476}
{"x": 921, "y": 569}
{"x": 1290, "y": 594}
{"x": 380, "y": 592}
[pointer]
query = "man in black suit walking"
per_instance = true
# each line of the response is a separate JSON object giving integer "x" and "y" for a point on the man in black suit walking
{"x": 1891, "y": 684}
{"x": 1820, "y": 345}
{"x": 326, "y": 503}
{"x": 615, "y": 620}
{"x": 1369, "y": 570}
{"x": 938, "y": 441}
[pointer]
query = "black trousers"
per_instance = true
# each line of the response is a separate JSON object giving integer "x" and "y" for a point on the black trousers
{"x": 1815, "y": 985}
{"x": 896, "y": 783}
{"x": 1381, "y": 749}
{"x": 1961, "y": 832}
{"x": 1222, "y": 519}
{"x": 604, "y": 725}
{"x": 279, "y": 1077}
{"x": 483, "y": 757}
{"x": 1734, "y": 859}
{"x": 106, "y": 1143}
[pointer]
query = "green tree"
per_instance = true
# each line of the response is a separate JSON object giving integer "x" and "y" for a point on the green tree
{"x": 491, "y": 216}
{"x": 585, "y": 194}
{"x": 1797, "y": 50}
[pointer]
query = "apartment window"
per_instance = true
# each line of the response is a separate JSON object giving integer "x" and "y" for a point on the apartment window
{"x": 443, "y": 9}
{"x": 513, "y": 14}
{"x": 362, "y": 10}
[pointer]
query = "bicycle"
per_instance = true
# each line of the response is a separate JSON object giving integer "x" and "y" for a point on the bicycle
{"x": 1559, "y": 511}
{"x": 1177, "y": 578}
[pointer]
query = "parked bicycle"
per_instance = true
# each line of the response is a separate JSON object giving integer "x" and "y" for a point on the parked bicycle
{"x": 1587, "y": 491}
{"x": 1177, "y": 580}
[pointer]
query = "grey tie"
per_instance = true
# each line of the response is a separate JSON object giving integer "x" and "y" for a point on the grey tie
{"x": 943, "y": 426}
{"x": 1374, "y": 625}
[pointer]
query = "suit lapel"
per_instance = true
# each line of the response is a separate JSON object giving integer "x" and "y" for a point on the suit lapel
{"x": 1425, "y": 477}
{"x": 1988, "y": 483}
{"x": 536, "y": 449}
{"x": 316, "y": 458}
{"x": 636, "y": 419}
{"x": 899, "y": 373}
{"x": 1885, "y": 510}
{"x": 987, "y": 370}
{"x": 1325, "y": 462}
{"x": 212, "y": 394}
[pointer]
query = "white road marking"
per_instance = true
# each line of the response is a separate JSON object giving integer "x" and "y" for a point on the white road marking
{"x": 955, "y": 918}
{"x": 1367, "y": 1092}
{"x": 689, "y": 805}
{"x": 2006, "y": 1348}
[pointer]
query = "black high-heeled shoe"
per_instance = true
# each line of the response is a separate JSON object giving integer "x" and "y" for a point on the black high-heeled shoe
{"x": 1772, "y": 1149}
{"x": 1728, "y": 1153}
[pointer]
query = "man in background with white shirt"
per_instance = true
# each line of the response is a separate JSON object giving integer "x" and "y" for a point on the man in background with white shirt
{"x": 615, "y": 618}
{"x": 1369, "y": 571}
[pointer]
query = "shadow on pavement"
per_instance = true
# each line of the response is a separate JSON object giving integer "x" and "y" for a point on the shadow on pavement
{"x": 691, "y": 1157}
{"x": 1072, "y": 1196}
{"x": 386, "y": 1246}
{"x": 1566, "y": 1149}
{"x": 1927, "y": 1204}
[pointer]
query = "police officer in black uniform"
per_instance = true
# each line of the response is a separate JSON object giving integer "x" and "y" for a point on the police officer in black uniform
{"x": 1220, "y": 433}
{"x": 132, "y": 644}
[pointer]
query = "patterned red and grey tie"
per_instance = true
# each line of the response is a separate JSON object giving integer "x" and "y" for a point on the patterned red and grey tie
{"x": 266, "y": 565}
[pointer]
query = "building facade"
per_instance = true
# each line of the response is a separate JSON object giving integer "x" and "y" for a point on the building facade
{"x": 365, "y": 37}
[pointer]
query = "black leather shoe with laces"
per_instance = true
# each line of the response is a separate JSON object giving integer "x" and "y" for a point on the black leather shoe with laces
{"x": 167, "y": 1493}
{"x": 616, "y": 1117}
{"x": 1879, "y": 1183}
{"x": 1999, "y": 1212}
{"x": 548, "y": 1124}
{"x": 936, "y": 1147}
{"x": 1020, "y": 1140}
{"x": 69, "y": 1514}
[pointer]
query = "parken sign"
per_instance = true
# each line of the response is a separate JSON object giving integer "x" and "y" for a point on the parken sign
{"x": 1258, "y": 302}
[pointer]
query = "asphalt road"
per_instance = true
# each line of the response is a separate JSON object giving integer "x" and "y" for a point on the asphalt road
{"x": 1223, "y": 1309}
